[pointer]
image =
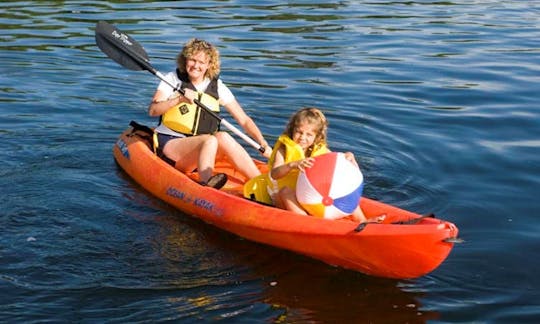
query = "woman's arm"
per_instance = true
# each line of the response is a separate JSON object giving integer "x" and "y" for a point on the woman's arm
{"x": 249, "y": 126}
{"x": 161, "y": 103}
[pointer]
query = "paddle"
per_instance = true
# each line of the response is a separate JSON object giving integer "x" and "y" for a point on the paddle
{"x": 127, "y": 52}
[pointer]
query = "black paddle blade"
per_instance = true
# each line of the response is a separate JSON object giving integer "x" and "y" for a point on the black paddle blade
{"x": 121, "y": 48}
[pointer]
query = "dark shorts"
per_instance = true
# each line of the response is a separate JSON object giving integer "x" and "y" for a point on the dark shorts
{"x": 162, "y": 141}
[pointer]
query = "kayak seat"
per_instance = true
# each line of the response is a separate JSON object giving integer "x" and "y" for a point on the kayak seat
{"x": 149, "y": 136}
{"x": 143, "y": 132}
{"x": 255, "y": 189}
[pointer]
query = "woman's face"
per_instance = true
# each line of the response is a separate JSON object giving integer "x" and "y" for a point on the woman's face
{"x": 304, "y": 135}
{"x": 196, "y": 66}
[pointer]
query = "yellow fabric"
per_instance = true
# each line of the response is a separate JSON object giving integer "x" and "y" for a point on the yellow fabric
{"x": 256, "y": 189}
{"x": 156, "y": 142}
{"x": 184, "y": 118}
{"x": 315, "y": 209}
{"x": 260, "y": 186}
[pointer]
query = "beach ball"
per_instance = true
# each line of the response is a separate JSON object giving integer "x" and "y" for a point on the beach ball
{"x": 331, "y": 188}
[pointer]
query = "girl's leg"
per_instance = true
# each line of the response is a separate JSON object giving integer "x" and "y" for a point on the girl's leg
{"x": 287, "y": 200}
{"x": 358, "y": 215}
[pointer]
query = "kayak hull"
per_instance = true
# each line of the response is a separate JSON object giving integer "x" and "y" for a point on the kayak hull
{"x": 405, "y": 245}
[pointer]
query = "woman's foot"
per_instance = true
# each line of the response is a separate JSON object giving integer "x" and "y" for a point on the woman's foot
{"x": 216, "y": 181}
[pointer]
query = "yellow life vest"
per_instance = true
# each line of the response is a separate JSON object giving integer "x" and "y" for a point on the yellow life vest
{"x": 259, "y": 188}
{"x": 190, "y": 119}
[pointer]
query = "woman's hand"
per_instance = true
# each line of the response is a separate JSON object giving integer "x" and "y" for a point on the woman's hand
{"x": 267, "y": 151}
{"x": 160, "y": 104}
{"x": 190, "y": 95}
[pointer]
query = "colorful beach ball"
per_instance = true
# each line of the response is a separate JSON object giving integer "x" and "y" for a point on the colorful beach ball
{"x": 331, "y": 188}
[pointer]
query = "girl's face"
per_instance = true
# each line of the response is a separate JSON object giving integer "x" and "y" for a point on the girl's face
{"x": 305, "y": 134}
{"x": 196, "y": 66}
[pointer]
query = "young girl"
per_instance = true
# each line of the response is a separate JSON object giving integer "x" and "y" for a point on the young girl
{"x": 303, "y": 139}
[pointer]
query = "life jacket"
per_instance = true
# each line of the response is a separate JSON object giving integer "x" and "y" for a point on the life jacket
{"x": 262, "y": 186}
{"x": 190, "y": 119}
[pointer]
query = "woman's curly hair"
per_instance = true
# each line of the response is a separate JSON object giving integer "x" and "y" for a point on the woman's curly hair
{"x": 193, "y": 47}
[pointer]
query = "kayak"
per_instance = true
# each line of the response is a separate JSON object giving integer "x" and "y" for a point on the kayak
{"x": 405, "y": 245}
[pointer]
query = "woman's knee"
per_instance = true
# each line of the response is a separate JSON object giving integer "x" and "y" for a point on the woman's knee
{"x": 209, "y": 140}
{"x": 213, "y": 140}
{"x": 224, "y": 138}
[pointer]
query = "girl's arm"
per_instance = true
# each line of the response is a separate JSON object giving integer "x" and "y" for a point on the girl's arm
{"x": 281, "y": 169}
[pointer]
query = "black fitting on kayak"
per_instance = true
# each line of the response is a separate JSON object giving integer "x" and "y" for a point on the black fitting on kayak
{"x": 360, "y": 227}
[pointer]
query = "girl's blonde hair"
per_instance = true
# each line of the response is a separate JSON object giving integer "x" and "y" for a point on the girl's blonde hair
{"x": 311, "y": 116}
{"x": 193, "y": 47}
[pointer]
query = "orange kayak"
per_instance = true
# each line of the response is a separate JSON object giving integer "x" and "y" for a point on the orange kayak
{"x": 405, "y": 245}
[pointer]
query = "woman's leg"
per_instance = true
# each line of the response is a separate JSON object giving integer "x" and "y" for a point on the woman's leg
{"x": 235, "y": 153}
{"x": 193, "y": 152}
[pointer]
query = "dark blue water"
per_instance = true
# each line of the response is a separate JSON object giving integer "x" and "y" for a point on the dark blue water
{"x": 438, "y": 99}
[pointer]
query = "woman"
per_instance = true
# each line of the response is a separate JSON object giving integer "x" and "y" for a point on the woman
{"x": 187, "y": 135}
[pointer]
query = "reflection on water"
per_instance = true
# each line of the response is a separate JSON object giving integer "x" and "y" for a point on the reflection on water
{"x": 296, "y": 288}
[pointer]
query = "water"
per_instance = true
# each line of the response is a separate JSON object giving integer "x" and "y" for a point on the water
{"x": 438, "y": 100}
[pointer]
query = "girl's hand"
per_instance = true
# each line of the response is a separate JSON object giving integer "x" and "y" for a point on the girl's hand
{"x": 303, "y": 164}
{"x": 350, "y": 157}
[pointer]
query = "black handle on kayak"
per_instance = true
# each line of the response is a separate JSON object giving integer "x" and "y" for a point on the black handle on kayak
{"x": 127, "y": 52}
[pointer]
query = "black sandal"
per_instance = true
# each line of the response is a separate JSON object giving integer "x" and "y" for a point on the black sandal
{"x": 217, "y": 181}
